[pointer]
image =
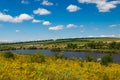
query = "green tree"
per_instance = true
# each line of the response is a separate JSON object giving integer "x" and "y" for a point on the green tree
{"x": 72, "y": 46}
{"x": 106, "y": 59}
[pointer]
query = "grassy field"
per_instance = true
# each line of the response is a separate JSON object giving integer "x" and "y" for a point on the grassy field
{"x": 30, "y": 67}
{"x": 102, "y": 45}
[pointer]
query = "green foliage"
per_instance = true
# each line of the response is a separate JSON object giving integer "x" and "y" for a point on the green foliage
{"x": 96, "y": 45}
{"x": 106, "y": 59}
{"x": 8, "y": 55}
{"x": 59, "y": 56}
{"x": 114, "y": 45}
{"x": 38, "y": 58}
{"x": 71, "y": 46}
{"x": 89, "y": 58}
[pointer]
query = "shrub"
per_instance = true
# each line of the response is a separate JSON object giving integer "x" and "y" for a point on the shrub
{"x": 8, "y": 55}
{"x": 106, "y": 59}
{"x": 38, "y": 57}
{"x": 89, "y": 58}
{"x": 71, "y": 46}
{"x": 59, "y": 56}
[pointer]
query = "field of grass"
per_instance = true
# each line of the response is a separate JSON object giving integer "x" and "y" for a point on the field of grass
{"x": 30, "y": 67}
{"x": 103, "y": 45}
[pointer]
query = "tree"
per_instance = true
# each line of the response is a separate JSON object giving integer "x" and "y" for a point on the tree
{"x": 112, "y": 45}
{"x": 72, "y": 46}
{"x": 106, "y": 59}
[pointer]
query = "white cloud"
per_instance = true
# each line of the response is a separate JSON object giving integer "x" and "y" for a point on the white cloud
{"x": 6, "y": 40}
{"x": 112, "y": 35}
{"x": 73, "y": 8}
{"x": 58, "y": 27}
{"x": 5, "y": 18}
{"x": 91, "y": 36}
{"x": 46, "y": 23}
{"x": 22, "y": 17}
{"x": 17, "y": 31}
{"x": 71, "y": 26}
{"x": 17, "y": 19}
{"x": 36, "y": 21}
{"x": 24, "y": 2}
{"x": 47, "y": 3}
{"x": 41, "y": 11}
{"x": 114, "y": 25}
{"x": 102, "y": 5}
{"x": 105, "y": 6}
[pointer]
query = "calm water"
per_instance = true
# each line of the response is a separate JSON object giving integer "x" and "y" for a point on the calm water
{"x": 70, "y": 54}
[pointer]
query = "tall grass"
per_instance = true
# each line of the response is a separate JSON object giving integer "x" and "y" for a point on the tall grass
{"x": 23, "y": 68}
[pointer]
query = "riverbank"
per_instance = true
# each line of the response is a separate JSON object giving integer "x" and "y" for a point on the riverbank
{"x": 100, "y": 45}
{"x": 107, "y": 51}
{"x": 49, "y": 68}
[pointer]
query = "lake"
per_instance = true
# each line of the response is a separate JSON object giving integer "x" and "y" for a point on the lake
{"x": 69, "y": 54}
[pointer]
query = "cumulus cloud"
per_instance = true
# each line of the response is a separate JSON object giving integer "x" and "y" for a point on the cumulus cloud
{"x": 114, "y": 25}
{"x": 36, "y": 21}
{"x": 17, "y": 31}
{"x": 17, "y": 19}
{"x": 47, "y": 3}
{"x": 102, "y": 5}
{"x": 24, "y": 2}
{"x": 41, "y": 11}
{"x": 22, "y": 17}
{"x": 73, "y": 8}
{"x": 58, "y": 27}
{"x": 71, "y": 26}
{"x": 46, "y": 23}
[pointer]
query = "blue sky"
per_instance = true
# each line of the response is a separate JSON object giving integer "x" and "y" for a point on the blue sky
{"x": 24, "y": 20}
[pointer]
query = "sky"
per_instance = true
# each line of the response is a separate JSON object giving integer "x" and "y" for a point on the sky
{"x": 26, "y": 20}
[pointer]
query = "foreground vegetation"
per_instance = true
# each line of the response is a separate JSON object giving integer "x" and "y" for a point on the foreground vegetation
{"x": 102, "y": 45}
{"x": 40, "y": 67}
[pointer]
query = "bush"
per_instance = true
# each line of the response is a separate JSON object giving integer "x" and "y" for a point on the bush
{"x": 71, "y": 46}
{"x": 89, "y": 58}
{"x": 8, "y": 55}
{"x": 38, "y": 57}
{"x": 59, "y": 56}
{"x": 106, "y": 59}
